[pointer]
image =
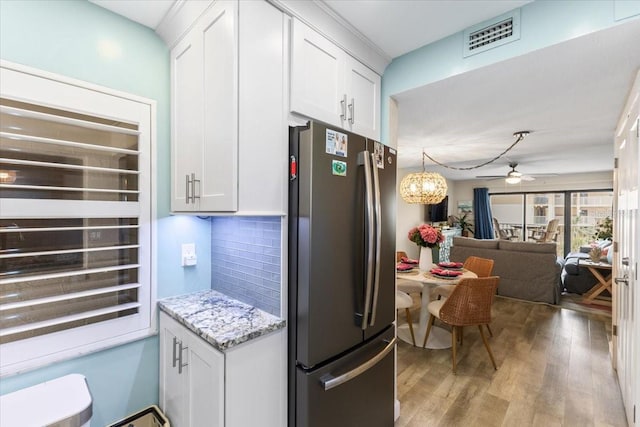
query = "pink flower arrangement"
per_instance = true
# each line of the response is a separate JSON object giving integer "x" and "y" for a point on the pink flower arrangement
{"x": 426, "y": 235}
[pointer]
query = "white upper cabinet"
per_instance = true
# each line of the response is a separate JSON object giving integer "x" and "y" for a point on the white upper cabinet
{"x": 204, "y": 91}
{"x": 328, "y": 84}
{"x": 229, "y": 129}
{"x": 363, "y": 106}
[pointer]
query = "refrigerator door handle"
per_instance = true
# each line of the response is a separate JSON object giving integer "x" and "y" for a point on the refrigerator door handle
{"x": 333, "y": 382}
{"x": 378, "y": 224}
{"x": 364, "y": 158}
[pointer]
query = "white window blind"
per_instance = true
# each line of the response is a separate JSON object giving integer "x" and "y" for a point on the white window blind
{"x": 75, "y": 239}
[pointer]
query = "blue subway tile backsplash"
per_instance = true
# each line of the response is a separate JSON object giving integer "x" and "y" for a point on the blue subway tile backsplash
{"x": 245, "y": 260}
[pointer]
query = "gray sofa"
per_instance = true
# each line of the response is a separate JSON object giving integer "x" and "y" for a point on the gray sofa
{"x": 529, "y": 271}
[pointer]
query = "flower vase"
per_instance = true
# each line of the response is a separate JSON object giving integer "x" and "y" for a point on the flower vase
{"x": 426, "y": 259}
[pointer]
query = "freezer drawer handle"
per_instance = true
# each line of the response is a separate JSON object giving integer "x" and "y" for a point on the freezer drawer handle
{"x": 335, "y": 382}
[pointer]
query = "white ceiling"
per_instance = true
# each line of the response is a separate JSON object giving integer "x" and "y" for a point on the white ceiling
{"x": 569, "y": 96}
{"x": 146, "y": 12}
{"x": 400, "y": 26}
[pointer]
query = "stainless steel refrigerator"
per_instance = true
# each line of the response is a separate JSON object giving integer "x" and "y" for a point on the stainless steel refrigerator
{"x": 341, "y": 279}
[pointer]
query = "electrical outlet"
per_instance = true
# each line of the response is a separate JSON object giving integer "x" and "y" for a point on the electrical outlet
{"x": 189, "y": 256}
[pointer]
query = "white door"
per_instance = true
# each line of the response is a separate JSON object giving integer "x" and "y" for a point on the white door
{"x": 627, "y": 231}
{"x": 218, "y": 186}
{"x": 186, "y": 129}
{"x": 363, "y": 102}
{"x": 317, "y": 82}
{"x": 206, "y": 384}
{"x": 173, "y": 381}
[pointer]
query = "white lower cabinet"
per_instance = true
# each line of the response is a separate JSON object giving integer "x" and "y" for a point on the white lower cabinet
{"x": 201, "y": 386}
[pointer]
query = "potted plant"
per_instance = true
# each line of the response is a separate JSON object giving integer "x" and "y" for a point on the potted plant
{"x": 604, "y": 229}
{"x": 465, "y": 224}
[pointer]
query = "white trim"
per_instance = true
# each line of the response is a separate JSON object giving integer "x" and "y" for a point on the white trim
{"x": 64, "y": 297}
{"x": 76, "y": 189}
{"x": 325, "y": 21}
{"x": 24, "y": 69}
{"x": 13, "y": 111}
{"x": 67, "y": 251}
{"x": 93, "y": 227}
{"x": 68, "y": 274}
{"x": 68, "y": 166}
{"x": 74, "y": 144}
{"x": 28, "y": 84}
{"x": 22, "y": 365}
{"x": 66, "y": 319}
{"x": 53, "y": 208}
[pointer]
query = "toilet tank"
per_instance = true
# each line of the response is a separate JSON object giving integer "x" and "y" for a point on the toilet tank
{"x": 61, "y": 402}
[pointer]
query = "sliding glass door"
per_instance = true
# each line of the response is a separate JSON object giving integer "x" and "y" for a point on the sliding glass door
{"x": 541, "y": 209}
{"x": 587, "y": 210}
{"x": 508, "y": 211}
{"x": 528, "y": 216}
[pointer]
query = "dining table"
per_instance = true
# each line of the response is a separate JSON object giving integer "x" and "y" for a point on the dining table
{"x": 439, "y": 337}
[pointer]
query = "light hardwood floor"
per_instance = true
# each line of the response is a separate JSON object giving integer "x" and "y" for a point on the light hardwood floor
{"x": 554, "y": 369}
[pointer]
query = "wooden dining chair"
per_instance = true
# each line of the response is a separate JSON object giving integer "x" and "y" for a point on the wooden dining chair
{"x": 468, "y": 305}
{"x": 407, "y": 286}
{"x": 483, "y": 267}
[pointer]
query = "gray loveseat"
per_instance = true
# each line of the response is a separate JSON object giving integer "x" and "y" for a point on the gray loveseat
{"x": 529, "y": 271}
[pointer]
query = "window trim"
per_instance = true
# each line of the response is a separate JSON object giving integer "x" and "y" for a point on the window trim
{"x": 57, "y": 87}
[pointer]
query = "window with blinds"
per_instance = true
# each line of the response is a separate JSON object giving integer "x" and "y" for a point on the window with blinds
{"x": 74, "y": 234}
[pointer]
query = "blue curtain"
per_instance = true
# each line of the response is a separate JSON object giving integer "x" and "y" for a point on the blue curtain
{"x": 482, "y": 214}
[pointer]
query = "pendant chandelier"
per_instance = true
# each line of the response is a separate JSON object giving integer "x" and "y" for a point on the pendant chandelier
{"x": 429, "y": 188}
{"x": 425, "y": 188}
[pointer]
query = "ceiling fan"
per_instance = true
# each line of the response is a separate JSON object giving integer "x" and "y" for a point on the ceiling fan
{"x": 513, "y": 176}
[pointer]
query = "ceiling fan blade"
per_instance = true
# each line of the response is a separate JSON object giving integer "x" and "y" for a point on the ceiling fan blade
{"x": 527, "y": 178}
{"x": 489, "y": 176}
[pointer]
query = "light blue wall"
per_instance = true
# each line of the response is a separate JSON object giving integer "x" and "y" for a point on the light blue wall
{"x": 542, "y": 23}
{"x": 63, "y": 37}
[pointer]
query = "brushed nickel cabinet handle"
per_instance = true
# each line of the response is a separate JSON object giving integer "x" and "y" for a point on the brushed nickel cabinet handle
{"x": 188, "y": 182}
{"x": 352, "y": 109}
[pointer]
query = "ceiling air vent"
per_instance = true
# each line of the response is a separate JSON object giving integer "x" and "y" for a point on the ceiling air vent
{"x": 489, "y": 34}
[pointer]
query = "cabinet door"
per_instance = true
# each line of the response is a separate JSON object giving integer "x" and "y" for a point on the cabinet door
{"x": 205, "y": 372}
{"x": 204, "y": 134}
{"x": 173, "y": 386}
{"x": 263, "y": 133}
{"x": 256, "y": 372}
{"x": 218, "y": 186}
{"x": 186, "y": 129}
{"x": 317, "y": 83}
{"x": 363, "y": 103}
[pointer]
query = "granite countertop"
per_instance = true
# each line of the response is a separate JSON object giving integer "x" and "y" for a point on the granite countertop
{"x": 218, "y": 319}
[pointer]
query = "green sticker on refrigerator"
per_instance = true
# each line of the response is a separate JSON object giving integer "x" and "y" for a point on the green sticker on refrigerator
{"x": 338, "y": 168}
